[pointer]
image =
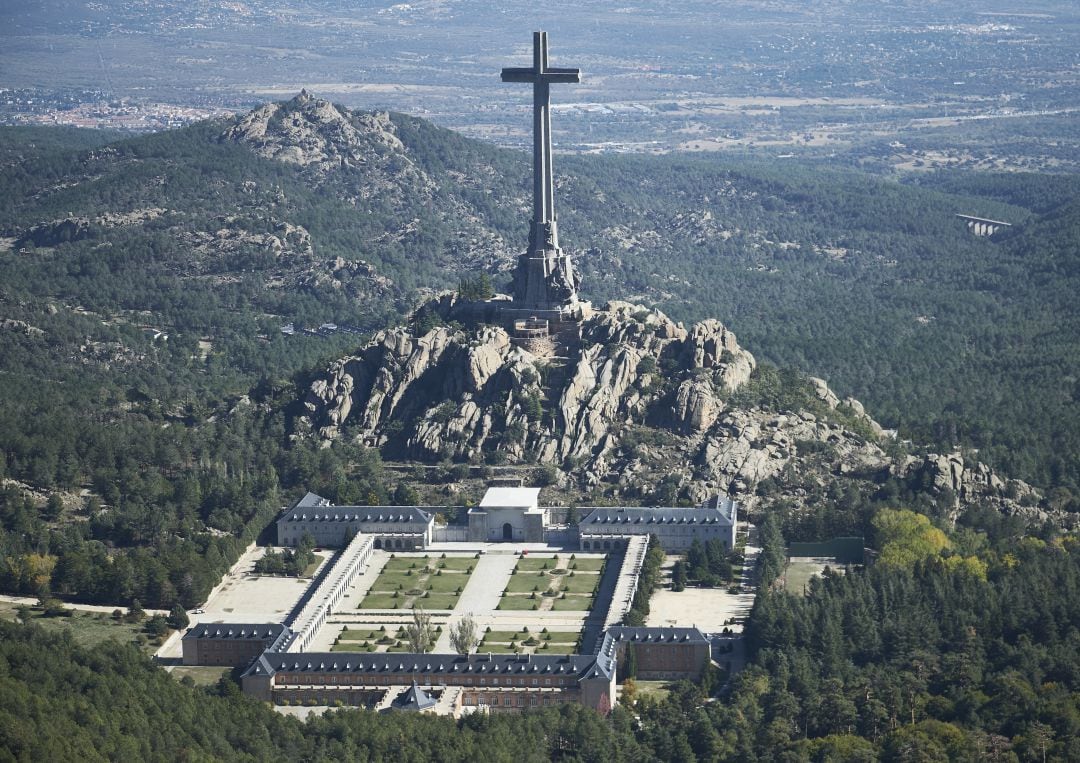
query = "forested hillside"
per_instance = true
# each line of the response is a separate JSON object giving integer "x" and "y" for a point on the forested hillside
{"x": 210, "y": 236}
{"x": 148, "y": 391}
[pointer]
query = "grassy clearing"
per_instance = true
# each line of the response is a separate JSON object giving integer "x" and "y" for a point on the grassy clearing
{"x": 88, "y": 629}
{"x": 201, "y": 675}
{"x": 588, "y": 564}
{"x": 658, "y": 690}
{"x": 798, "y": 574}
{"x": 457, "y": 563}
{"x": 558, "y": 637}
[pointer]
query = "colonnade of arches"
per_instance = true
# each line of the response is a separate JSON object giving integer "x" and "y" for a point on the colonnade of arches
{"x": 396, "y": 544}
{"x": 606, "y": 545}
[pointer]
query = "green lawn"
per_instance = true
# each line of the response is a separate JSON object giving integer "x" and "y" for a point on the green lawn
{"x": 558, "y": 637}
{"x": 505, "y": 642}
{"x": 497, "y": 647}
{"x": 358, "y": 635}
{"x": 535, "y": 563}
{"x": 584, "y": 582}
{"x": 448, "y": 582}
{"x": 437, "y": 601}
{"x": 402, "y": 646}
{"x": 458, "y": 563}
{"x": 352, "y": 646}
{"x": 394, "y": 581}
{"x": 573, "y": 604}
{"x": 589, "y": 564}
{"x": 553, "y": 648}
{"x": 382, "y": 601}
{"x": 403, "y": 563}
{"x": 526, "y": 583}
{"x": 508, "y": 635}
{"x": 518, "y": 602}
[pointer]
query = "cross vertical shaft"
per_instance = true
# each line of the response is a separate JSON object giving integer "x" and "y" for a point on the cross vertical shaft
{"x": 543, "y": 234}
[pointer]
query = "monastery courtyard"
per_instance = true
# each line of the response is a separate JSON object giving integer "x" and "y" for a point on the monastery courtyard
{"x": 495, "y": 587}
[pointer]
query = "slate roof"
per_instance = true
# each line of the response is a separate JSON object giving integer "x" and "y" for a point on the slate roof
{"x": 376, "y": 663}
{"x": 643, "y": 635}
{"x": 635, "y": 515}
{"x": 271, "y": 633}
{"x": 318, "y": 509}
{"x": 414, "y": 698}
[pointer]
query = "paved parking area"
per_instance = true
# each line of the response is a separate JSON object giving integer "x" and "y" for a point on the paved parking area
{"x": 244, "y": 597}
{"x": 709, "y": 609}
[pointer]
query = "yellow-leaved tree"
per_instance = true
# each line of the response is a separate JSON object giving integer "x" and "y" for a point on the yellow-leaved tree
{"x": 906, "y": 537}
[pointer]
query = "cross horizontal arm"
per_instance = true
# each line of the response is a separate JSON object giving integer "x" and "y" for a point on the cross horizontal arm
{"x": 549, "y": 75}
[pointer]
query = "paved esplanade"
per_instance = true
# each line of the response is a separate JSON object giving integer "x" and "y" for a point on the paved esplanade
{"x": 547, "y": 279}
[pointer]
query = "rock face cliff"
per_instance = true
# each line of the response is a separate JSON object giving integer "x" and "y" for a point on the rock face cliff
{"x": 638, "y": 403}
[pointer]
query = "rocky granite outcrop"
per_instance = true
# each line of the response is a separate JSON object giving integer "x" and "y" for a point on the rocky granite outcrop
{"x": 358, "y": 152}
{"x": 359, "y": 157}
{"x": 637, "y": 401}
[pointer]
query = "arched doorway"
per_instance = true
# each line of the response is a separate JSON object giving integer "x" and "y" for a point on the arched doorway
{"x": 378, "y": 543}
{"x": 508, "y": 531}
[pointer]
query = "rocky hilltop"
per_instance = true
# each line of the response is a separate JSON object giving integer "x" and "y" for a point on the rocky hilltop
{"x": 639, "y": 402}
{"x": 361, "y": 158}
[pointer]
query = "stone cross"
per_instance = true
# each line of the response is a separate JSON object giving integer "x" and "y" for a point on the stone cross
{"x": 543, "y": 234}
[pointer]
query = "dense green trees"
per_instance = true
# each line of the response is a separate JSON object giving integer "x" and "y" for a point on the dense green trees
{"x": 60, "y": 702}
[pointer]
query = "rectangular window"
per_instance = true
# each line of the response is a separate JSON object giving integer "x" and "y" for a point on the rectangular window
{"x": 506, "y": 701}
